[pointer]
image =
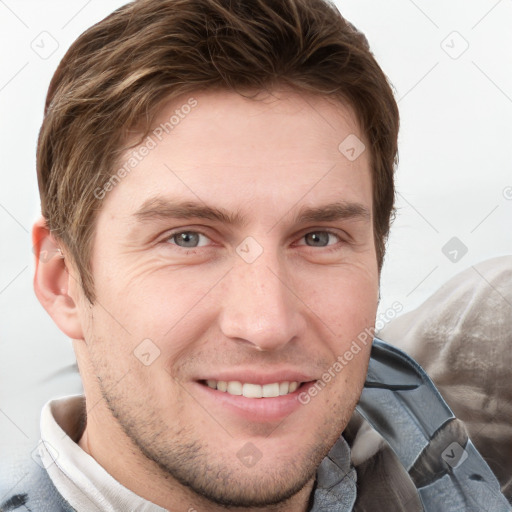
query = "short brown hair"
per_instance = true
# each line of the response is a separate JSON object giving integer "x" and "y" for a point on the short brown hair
{"x": 118, "y": 72}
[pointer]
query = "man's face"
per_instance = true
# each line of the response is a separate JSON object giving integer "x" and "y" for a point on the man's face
{"x": 239, "y": 250}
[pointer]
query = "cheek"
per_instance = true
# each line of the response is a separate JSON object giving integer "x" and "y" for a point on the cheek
{"x": 152, "y": 298}
{"x": 346, "y": 302}
{"x": 162, "y": 313}
{"x": 344, "y": 298}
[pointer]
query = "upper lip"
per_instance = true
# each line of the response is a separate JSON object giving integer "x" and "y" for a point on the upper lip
{"x": 254, "y": 377}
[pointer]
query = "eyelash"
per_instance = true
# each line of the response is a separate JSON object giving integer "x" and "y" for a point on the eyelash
{"x": 328, "y": 248}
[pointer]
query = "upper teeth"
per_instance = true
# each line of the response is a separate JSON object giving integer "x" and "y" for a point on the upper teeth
{"x": 234, "y": 387}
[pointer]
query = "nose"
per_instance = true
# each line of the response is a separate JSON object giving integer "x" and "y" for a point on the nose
{"x": 259, "y": 306}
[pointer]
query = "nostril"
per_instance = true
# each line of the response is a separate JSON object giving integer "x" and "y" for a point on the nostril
{"x": 476, "y": 477}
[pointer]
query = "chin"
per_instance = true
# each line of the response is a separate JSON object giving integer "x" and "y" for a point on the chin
{"x": 234, "y": 485}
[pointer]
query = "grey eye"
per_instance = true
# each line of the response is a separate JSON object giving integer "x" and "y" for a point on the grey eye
{"x": 186, "y": 239}
{"x": 317, "y": 239}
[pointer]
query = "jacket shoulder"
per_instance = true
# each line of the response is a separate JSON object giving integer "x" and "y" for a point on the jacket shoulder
{"x": 26, "y": 485}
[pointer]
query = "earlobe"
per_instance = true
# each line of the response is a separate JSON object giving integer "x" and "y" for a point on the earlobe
{"x": 54, "y": 285}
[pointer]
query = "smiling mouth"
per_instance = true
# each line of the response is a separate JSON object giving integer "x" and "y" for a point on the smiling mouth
{"x": 250, "y": 390}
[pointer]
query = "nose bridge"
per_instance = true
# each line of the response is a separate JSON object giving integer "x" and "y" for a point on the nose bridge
{"x": 258, "y": 306}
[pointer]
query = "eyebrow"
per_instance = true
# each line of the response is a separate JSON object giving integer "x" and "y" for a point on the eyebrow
{"x": 333, "y": 212}
{"x": 160, "y": 208}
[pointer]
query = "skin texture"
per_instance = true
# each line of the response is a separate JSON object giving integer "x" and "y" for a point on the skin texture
{"x": 208, "y": 312}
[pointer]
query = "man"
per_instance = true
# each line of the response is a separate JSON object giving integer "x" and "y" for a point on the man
{"x": 216, "y": 181}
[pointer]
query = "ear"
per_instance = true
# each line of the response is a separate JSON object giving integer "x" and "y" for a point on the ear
{"x": 54, "y": 286}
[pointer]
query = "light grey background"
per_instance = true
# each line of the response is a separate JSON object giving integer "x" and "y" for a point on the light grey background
{"x": 454, "y": 178}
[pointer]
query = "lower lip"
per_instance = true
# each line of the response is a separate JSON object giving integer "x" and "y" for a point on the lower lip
{"x": 255, "y": 409}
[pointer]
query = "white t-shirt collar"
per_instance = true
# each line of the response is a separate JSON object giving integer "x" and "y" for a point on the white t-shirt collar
{"x": 82, "y": 481}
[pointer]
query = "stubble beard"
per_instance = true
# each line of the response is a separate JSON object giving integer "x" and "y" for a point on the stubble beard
{"x": 218, "y": 477}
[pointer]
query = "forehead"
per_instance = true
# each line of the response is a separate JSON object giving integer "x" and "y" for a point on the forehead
{"x": 274, "y": 151}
